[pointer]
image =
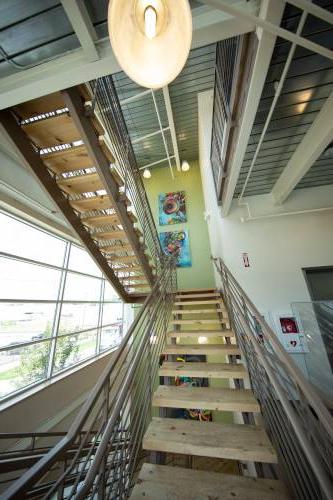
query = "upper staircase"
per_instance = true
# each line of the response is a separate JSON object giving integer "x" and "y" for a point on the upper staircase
{"x": 73, "y": 149}
{"x": 205, "y": 333}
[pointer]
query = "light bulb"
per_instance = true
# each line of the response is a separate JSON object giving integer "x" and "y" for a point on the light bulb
{"x": 150, "y": 22}
{"x": 146, "y": 173}
{"x": 185, "y": 166}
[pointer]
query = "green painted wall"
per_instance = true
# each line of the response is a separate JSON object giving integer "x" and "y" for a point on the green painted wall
{"x": 200, "y": 275}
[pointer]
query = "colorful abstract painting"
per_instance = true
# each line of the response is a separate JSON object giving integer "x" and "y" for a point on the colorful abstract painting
{"x": 172, "y": 208}
{"x": 176, "y": 244}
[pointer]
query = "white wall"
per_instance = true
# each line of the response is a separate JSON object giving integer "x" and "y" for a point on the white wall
{"x": 278, "y": 246}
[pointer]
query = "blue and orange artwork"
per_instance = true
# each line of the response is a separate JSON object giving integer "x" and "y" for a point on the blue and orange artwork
{"x": 172, "y": 208}
{"x": 176, "y": 244}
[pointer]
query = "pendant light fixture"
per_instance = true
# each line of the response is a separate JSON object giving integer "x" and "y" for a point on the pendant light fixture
{"x": 185, "y": 166}
{"x": 151, "y": 39}
{"x": 146, "y": 173}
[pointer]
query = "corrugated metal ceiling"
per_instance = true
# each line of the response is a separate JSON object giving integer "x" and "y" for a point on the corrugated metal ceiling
{"x": 309, "y": 82}
{"x": 141, "y": 119}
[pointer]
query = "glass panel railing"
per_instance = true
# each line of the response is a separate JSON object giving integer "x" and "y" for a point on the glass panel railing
{"x": 315, "y": 320}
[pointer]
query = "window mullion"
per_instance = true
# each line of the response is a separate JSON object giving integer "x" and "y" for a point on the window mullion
{"x": 100, "y": 316}
{"x": 57, "y": 315}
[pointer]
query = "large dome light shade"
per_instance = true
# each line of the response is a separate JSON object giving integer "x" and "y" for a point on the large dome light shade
{"x": 151, "y": 39}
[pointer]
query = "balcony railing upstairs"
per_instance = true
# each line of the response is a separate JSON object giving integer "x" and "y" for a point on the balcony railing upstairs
{"x": 299, "y": 424}
{"x": 99, "y": 455}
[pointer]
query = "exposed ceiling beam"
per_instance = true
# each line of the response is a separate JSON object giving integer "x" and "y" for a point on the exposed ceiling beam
{"x": 209, "y": 26}
{"x": 79, "y": 18}
{"x": 271, "y": 28}
{"x": 168, "y": 107}
{"x": 317, "y": 138}
{"x": 272, "y": 11}
{"x": 313, "y": 9}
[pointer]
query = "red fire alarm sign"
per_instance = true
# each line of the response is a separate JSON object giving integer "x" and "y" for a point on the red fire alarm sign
{"x": 246, "y": 260}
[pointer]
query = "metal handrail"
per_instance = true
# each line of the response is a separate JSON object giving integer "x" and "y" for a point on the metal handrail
{"x": 108, "y": 404}
{"x": 283, "y": 393}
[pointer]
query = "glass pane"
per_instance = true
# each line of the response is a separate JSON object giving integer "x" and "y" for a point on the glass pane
{"x": 23, "y": 322}
{"x": 109, "y": 292}
{"x": 111, "y": 336}
{"x": 112, "y": 313}
{"x": 80, "y": 260}
{"x": 19, "y": 238}
{"x": 82, "y": 288}
{"x": 19, "y": 280}
{"x": 74, "y": 348}
{"x": 23, "y": 366}
{"x": 75, "y": 317}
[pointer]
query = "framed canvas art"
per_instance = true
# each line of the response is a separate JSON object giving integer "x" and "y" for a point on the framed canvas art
{"x": 172, "y": 208}
{"x": 176, "y": 244}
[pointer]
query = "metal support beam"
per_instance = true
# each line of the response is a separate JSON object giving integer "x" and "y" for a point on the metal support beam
{"x": 80, "y": 20}
{"x": 152, "y": 134}
{"x": 272, "y": 11}
{"x": 33, "y": 160}
{"x": 317, "y": 138}
{"x": 271, "y": 28}
{"x": 168, "y": 107}
{"x": 315, "y": 10}
{"x": 73, "y": 68}
{"x": 75, "y": 105}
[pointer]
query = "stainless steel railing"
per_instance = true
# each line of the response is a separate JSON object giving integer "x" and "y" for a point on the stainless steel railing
{"x": 99, "y": 455}
{"x": 107, "y": 106}
{"x": 299, "y": 424}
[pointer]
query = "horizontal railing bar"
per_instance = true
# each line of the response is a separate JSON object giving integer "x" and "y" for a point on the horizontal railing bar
{"x": 303, "y": 384}
{"x": 31, "y": 476}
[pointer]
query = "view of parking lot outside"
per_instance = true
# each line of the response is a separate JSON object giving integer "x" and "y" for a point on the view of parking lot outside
{"x": 56, "y": 308}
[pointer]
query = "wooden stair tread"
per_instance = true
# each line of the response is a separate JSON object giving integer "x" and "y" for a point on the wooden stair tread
{"x": 93, "y": 203}
{"x": 198, "y": 302}
{"x": 79, "y": 184}
{"x": 192, "y": 290}
{"x": 125, "y": 258}
{"x": 41, "y": 105}
{"x": 163, "y": 482}
{"x": 210, "y": 398}
{"x": 223, "y": 349}
{"x": 198, "y": 295}
{"x": 200, "y": 333}
{"x": 214, "y": 321}
{"x": 68, "y": 160}
{"x": 127, "y": 269}
{"x": 101, "y": 220}
{"x": 115, "y": 248}
{"x": 202, "y": 369}
{"x": 198, "y": 311}
{"x": 110, "y": 235}
{"x": 58, "y": 129}
{"x": 209, "y": 439}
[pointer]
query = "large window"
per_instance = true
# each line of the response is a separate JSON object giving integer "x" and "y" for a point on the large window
{"x": 56, "y": 308}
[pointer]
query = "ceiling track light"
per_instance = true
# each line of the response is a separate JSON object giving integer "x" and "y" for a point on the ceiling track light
{"x": 185, "y": 166}
{"x": 151, "y": 39}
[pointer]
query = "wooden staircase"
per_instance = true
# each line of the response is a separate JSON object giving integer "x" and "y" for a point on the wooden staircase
{"x": 206, "y": 321}
{"x": 66, "y": 146}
